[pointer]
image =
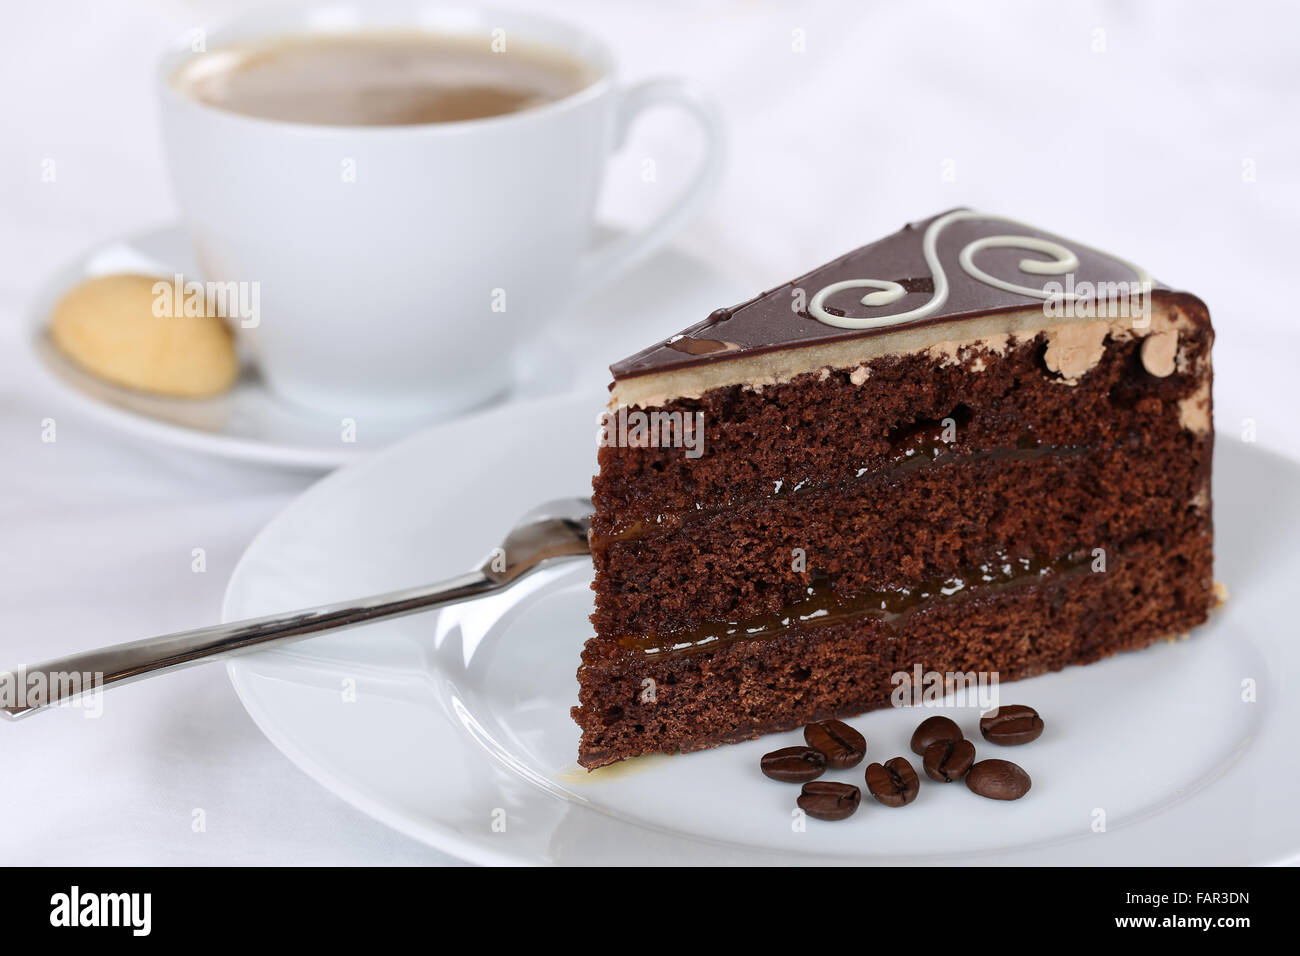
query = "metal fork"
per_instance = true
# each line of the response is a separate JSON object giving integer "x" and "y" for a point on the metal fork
{"x": 556, "y": 530}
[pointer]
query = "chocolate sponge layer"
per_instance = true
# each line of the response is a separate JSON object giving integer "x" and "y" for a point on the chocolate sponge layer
{"x": 890, "y": 530}
{"x": 749, "y": 688}
{"x": 820, "y": 429}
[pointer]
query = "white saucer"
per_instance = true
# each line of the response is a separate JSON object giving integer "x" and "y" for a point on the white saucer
{"x": 252, "y": 423}
{"x": 447, "y": 727}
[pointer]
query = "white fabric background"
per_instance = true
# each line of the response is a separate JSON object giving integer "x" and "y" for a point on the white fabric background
{"x": 1139, "y": 147}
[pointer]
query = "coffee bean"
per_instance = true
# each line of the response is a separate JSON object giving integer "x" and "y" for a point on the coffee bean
{"x": 842, "y": 746}
{"x": 932, "y": 730}
{"x": 893, "y": 783}
{"x": 948, "y": 760}
{"x": 827, "y": 800}
{"x": 1011, "y": 725}
{"x": 998, "y": 780}
{"x": 794, "y": 764}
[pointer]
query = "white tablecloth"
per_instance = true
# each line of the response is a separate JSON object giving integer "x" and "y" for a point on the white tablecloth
{"x": 1166, "y": 132}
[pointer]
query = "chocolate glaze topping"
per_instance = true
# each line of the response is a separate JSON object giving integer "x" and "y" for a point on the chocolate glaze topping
{"x": 780, "y": 319}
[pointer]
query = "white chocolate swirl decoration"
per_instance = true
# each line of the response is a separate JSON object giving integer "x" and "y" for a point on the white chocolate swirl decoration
{"x": 886, "y": 292}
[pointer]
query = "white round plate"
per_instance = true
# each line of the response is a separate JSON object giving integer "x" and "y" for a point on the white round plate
{"x": 252, "y": 423}
{"x": 454, "y": 728}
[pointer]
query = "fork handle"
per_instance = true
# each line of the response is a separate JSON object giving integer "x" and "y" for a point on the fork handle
{"x": 41, "y": 686}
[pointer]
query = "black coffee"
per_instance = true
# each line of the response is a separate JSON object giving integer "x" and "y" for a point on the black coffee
{"x": 948, "y": 760}
{"x": 842, "y": 746}
{"x": 933, "y": 729}
{"x": 1011, "y": 725}
{"x": 794, "y": 764}
{"x": 894, "y": 783}
{"x": 998, "y": 780}
{"x": 827, "y": 800}
{"x": 379, "y": 79}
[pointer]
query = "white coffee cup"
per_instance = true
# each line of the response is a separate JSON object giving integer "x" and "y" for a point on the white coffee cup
{"x": 382, "y": 257}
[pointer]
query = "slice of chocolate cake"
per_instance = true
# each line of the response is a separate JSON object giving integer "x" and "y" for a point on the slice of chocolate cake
{"x": 969, "y": 448}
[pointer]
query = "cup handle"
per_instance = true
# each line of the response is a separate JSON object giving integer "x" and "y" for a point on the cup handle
{"x": 614, "y": 257}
